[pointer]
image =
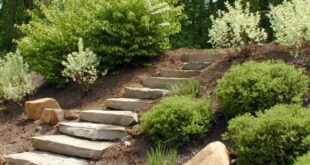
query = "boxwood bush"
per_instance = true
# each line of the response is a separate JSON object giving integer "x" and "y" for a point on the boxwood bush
{"x": 176, "y": 119}
{"x": 118, "y": 31}
{"x": 254, "y": 86}
{"x": 303, "y": 160}
{"x": 275, "y": 136}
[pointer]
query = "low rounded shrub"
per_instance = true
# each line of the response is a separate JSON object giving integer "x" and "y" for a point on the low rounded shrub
{"x": 255, "y": 86}
{"x": 176, "y": 119}
{"x": 303, "y": 160}
{"x": 275, "y": 136}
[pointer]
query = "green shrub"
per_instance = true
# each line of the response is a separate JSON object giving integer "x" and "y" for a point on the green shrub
{"x": 15, "y": 78}
{"x": 255, "y": 86}
{"x": 274, "y": 137}
{"x": 118, "y": 31}
{"x": 176, "y": 119}
{"x": 303, "y": 160}
{"x": 162, "y": 155}
{"x": 186, "y": 88}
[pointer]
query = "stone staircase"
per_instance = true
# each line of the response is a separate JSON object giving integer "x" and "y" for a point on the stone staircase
{"x": 97, "y": 130}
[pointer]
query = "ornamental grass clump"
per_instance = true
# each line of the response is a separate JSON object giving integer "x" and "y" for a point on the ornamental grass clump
{"x": 237, "y": 27}
{"x": 176, "y": 119}
{"x": 15, "y": 78}
{"x": 186, "y": 88}
{"x": 274, "y": 136}
{"x": 254, "y": 86}
{"x": 81, "y": 67}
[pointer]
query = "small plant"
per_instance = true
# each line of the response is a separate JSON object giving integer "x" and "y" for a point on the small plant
{"x": 275, "y": 136}
{"x": 176, "y": 119}
{"x": 81, "y": 66}
{"x": 15, "y": 78}
{"x": 290, "y": 22}
{"x": 303, "y": 160}
{"x": 236, "y": 28}
{"x": 186, "y": 88}
{"x": 256, "y": 86}
{"x": 162, "y": 156}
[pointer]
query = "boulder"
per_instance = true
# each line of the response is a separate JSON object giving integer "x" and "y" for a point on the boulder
{"x": 34, "y": 109}
{"x": 72, "y": 114}
{"x": 52, "y": 116}
{"x": 214, "y": 154}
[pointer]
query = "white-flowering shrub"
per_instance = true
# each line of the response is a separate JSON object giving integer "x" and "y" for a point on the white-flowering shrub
{"x": 291, "y": 22}
{"x": 81, "y": 66}
{"x": 237, "y": 27}
{"x": 15, "y": 78}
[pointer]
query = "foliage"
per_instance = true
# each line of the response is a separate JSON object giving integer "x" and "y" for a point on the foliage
{"x": 118, "y": 31}
{"x": 176, "y": 119}
{"x": 162, "y": 155}
{"x": 186, "y": 88}
{"x": 275, "y": 136}
{"x": 290, "y": 22}
{"x": 255, "y": 86}
{"x": 236, "y": 28}
{"x": 15, "y": 78}
{"x": 303, "y": 160}
{"x": 81, "y": 67}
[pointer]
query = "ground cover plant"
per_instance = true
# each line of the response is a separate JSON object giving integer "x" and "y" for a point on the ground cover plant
{"x": 254, "y": 86}
{"x": 275, "y": 136}
{"x": 176, "y": 119}
{"x": 161, "y": 155}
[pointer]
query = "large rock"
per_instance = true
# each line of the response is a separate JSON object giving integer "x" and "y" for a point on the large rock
{"x": 145, "y": 93}
{"x": 214, "y": 154}
{"x": 124, "y": 118}
{"x": 178, "y": 73}
{"x": 93, "y": 130}
{"x": 127, "y": 104}
{"x": 34, "y": 109}
{"x": 52, "y": 116}
{"x": 42, "y": 158}
{"x": 67, "y": 145}
{"x": 162, "y": 82}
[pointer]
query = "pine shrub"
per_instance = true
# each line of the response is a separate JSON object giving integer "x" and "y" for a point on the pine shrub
{"x": 253, "y": 86}
{"x": 275, "y": 136}
{"x": 176, "y": 119}
{"x": 303, "y": 160}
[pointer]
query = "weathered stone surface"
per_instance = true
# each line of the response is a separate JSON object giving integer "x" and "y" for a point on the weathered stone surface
{"x": 72, "y": 114}
{"x": 52, "y": 116}
{"x": 178, "y": 73}
{"x": 214, "y": 154}
{"x": 145, "y": 93}
{"x": 210, "y": 57}
{"x": 67, "y": 145}
{"x": 42, "y": 158}
{"x": 162, "y": 82}
{"x": 124, "y": 118}
{"x": 34, "y": 109}
{"x": 93, "y": 130}
{"x": 195, "y": 65}
{"x": 127, "y": 104}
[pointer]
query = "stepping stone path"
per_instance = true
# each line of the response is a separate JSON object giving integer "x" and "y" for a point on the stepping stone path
{"x": 97, "y": 130}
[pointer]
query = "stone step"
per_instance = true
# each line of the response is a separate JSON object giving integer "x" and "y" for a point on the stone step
{"x": 93, "y": 130}
{"x": 195, "y": 65}
{"x": 42, "y": 158}
{"x": 162, "y": 82}
{"x": 209, "y": 57}
{"x": 127, "y": 104}
{"x": 124, "y": 118}
{"x": 67, "y": 145}
{"x": 178, "y": 73}
{"x": 145, "y": 93}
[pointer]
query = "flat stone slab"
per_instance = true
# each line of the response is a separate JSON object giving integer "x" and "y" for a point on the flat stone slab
{"x": 123, "y": 118}
{"x": 195, "y": 65}
{"x": 145, "y": 93}
{"x": 127, "y": 104}
{"x": 67, "y": 145}
{"x": 178, "y": 73}
{"x": 93, "y": 130}
{"x": 162, "y": 82}
{"x": 42, "y": 158}
{"x": 208, "y": 57}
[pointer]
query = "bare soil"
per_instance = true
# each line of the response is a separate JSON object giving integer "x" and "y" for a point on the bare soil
{"x": 15, "y": 130}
